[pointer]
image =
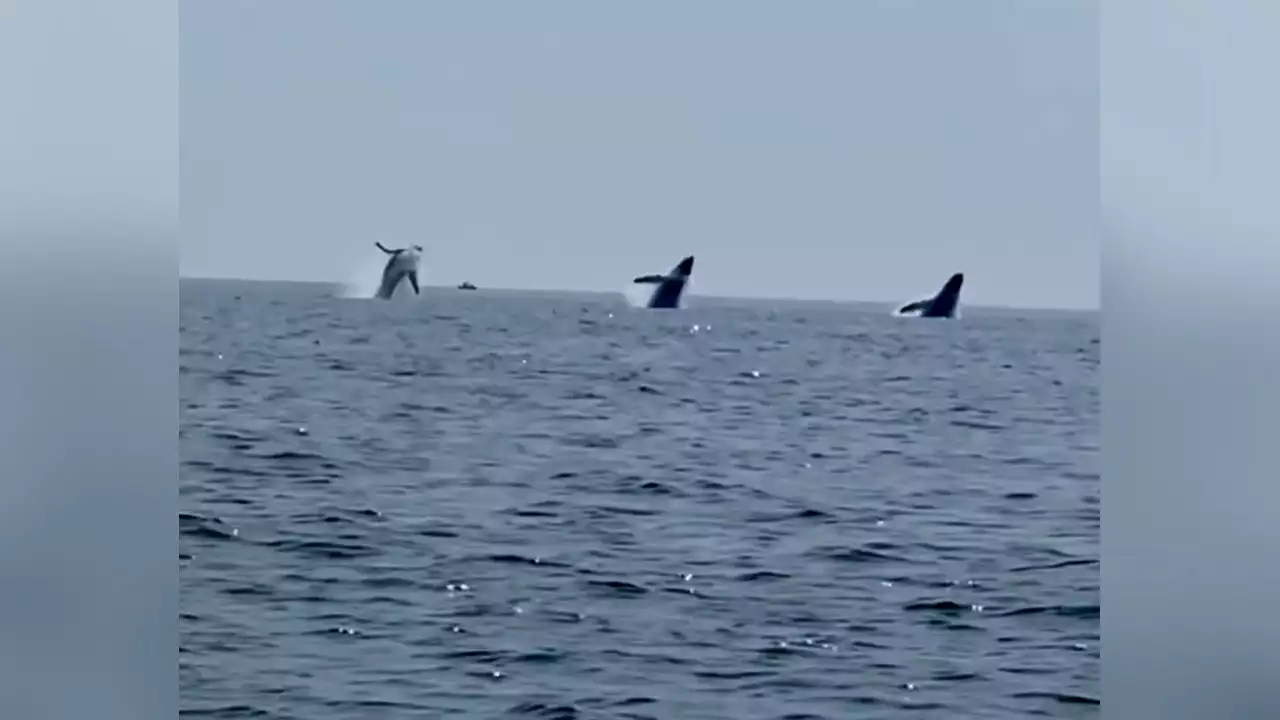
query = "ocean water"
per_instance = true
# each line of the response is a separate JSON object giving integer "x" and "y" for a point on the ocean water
{"x": 503, "y": 505}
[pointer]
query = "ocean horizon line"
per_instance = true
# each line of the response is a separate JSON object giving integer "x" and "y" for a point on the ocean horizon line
{"x": 701, "y": 296}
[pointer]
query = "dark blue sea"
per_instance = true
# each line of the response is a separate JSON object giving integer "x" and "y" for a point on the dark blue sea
{"x": 518, "y": 505}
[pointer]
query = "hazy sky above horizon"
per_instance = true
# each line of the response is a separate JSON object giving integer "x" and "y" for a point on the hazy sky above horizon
{"x": 843, "y": 150}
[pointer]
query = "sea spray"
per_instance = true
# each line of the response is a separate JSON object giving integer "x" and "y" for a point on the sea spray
{"x": 366, "y": 275}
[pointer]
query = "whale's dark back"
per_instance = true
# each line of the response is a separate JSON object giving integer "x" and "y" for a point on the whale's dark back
{"x": 668, "y": 293}
{"x": 945, "y": 302}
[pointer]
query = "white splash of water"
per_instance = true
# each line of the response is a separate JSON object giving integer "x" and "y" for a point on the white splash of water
{"x": 366, "y": 275}
{"x": 364, "y": 278}
{"x": 638, "y": 294}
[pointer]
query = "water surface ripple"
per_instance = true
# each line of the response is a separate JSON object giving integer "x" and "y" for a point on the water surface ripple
{"x": 489, "y": 505}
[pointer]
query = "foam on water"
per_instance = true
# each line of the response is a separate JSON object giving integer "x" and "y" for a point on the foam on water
{"x": 638, "y": 294}
{"x": 364, "y": 278}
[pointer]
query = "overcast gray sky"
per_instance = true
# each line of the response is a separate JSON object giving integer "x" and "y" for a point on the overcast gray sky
{"x": 844, "y": 150}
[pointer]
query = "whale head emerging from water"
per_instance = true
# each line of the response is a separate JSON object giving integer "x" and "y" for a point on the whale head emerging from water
{"x": 942, "y": 305}
{"x": 402, "y": 264}
{"x": 670, "y": 286}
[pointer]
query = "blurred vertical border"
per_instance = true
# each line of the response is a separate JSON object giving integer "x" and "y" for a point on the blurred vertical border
{"x": 88, "y": 331}
{"x": 1190, "y": 160}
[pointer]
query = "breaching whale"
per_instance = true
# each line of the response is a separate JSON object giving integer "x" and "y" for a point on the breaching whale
{"x": 670, "y": 286}
{"x": 942, "y": 305}
{"x": 403, "y": 264}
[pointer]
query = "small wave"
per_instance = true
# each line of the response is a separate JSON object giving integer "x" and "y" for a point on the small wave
{"x": 226, "y": 712}
{"x": 545, "y": 711}
{"x": 487, "y": 657}
{"x": 290, "y": 456}
{"x": 1054, "y": 566}
{"x": 251, "y": 590}
{"x": 805, "y": 514}
{"x": 604, "y": 510}
{"x": 758, "y": 575}
{"x": 205, "y": 526}
{"x": 1072, "y": 611}
{"x": 531, "y": 513}
{"x": 945, "y": 607}
{"x": 325, "y": 549}
{"x": 858, "y": 555}
{"x": 516, "y": 559}
{"x": 1064, "y": 698}
{"x": 731, "y": 674}
{"x": 620, "y": 588}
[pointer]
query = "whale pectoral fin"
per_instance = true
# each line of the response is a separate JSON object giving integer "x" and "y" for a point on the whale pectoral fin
{"x": 916, "y": 306}
{"x": 650, "y": 279}
{"x": 413, "y": 281}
